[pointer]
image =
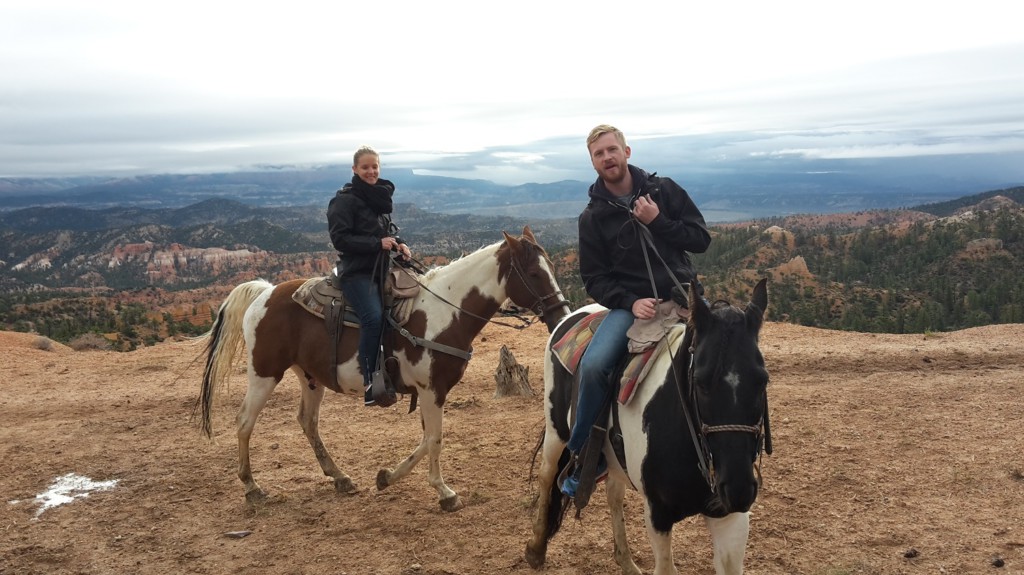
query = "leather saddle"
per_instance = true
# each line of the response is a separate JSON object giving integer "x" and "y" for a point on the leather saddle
{"x": 322, "y": 297}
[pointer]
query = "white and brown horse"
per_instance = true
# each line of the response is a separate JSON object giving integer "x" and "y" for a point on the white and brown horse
{"x": 454, "y": 304}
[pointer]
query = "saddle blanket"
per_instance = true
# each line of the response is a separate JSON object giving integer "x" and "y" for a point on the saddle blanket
{"x": 656, "y": 336}
{"x": 570, "y": 348}
{"x": 641, "y": 363}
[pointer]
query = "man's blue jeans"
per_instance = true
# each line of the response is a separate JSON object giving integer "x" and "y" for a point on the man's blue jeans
{"x": 606, "y": 348}
{"x": 364, "y": 296}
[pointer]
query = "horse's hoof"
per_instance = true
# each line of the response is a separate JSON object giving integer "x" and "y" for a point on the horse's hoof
{"x": 382, "y": 479}
{"x": 344, "y": 486}
{"x": 452, "y": 503}
{"x": 534, "y": 557}
{"x": 256, "y": 496}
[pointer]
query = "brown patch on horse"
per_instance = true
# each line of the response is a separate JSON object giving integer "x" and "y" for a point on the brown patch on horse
{"x": 447, "y": 370}
{"x": 296, "y": 337}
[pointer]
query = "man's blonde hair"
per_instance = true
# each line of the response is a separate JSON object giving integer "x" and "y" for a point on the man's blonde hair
{"x": 603, "y": 129}
{"x": 363, "y": 151}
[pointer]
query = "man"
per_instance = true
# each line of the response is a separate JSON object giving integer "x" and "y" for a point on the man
{"x": 614, "y": 266}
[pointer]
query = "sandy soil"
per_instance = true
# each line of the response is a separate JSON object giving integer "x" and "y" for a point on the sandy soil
{"x": 893, "y": 454}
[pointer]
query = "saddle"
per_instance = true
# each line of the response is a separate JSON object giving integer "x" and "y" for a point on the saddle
{"x": 648, "y": 338}
{"x": 322, "y": 297}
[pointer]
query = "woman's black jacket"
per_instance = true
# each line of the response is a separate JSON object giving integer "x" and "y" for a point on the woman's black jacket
{"x": 356, "y": 232}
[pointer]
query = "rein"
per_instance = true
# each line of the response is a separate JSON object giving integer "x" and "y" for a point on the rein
{"x": 705, "y": 460}
{"x": 538, "y": 308}
{"x": 694, "y": 422}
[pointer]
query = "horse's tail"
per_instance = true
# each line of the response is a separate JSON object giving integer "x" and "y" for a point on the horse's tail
{"x": 558, "y": 505}
{"x": 223, "y": 344}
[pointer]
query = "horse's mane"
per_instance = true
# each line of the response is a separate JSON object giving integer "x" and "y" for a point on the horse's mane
{"x": 455, "y": 264}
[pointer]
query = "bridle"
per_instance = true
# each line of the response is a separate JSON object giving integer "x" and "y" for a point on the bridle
{"x": 538, "y": 306}
{"x": 694, "y": 422}
{"x": 699, "y": 431}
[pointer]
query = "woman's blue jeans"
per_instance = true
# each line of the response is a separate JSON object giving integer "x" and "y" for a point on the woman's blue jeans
{"x": 606, "y": 349}
{"x": 364, "y": 296}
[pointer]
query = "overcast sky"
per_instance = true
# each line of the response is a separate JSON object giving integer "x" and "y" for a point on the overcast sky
{"x": 504, "y": 91}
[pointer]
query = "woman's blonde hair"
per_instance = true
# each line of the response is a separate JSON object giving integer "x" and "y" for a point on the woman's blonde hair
{"x": 363, "y": 151}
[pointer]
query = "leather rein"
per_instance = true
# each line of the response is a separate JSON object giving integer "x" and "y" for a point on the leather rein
{"x": 538, "y": 307}
{"x": 694, "y": 422}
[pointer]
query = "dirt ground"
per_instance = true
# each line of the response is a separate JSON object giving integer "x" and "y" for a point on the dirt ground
{"x": 893, "y": 454}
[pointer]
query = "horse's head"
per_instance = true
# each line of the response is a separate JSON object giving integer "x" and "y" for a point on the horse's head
{"x": 530, "y": 278}
{"x": 728, "y": 392}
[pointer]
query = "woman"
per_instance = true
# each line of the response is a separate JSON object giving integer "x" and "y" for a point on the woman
{"x": 359, "y": 221}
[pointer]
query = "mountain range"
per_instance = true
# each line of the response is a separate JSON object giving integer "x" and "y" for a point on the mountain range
{"x": 724, "y": 194}
{"x": 933, "y": 266}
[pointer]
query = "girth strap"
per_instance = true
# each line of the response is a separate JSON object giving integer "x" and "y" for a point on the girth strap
{"x": 333, "y": 317}
{"x": 419, "y": 341}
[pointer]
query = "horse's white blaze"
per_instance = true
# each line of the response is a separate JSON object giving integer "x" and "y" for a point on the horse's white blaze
{"x": 733, "y": 380}
{"x": 551, "y": 273}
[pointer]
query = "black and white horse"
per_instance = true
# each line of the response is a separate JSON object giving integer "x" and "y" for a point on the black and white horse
{"x": 692, "y": 434}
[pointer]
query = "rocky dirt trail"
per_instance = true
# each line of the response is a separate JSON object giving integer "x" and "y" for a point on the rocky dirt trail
{"x": 894, "y": 454}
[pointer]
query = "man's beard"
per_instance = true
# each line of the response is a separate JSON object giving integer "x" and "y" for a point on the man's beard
{"x": 619, "y": 176}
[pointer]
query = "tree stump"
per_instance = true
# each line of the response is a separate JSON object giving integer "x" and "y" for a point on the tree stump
{"x": 511, "y": 378}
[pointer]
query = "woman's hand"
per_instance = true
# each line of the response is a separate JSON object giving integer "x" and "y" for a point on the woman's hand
{"x": 389, "y": 243}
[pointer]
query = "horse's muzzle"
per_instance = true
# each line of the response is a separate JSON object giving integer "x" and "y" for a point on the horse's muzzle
{"x": 738, "y": 493}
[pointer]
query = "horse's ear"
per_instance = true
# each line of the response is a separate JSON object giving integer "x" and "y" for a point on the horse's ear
{"x": 512, "y": 242}
{"x": 760, "y": 297}
{"x": 681, "y": 297}
{"x": 528, "y": 234}
{"x": 699, "y": 311}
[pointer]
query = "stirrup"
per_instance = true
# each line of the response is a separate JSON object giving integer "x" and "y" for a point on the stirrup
{"x": 381, "y": 390}
{"x": 568, "y": 470}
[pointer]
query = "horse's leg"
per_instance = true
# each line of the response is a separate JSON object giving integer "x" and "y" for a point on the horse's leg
{"x": 615, "y": 490}
{"x": 432, "y": 416}
{"x": 661, "y": 545}
{"x": 309, "y": 419}
{"x": 729, "y": 540}
{"x": 547, "y": 492}
{"x": 256, "y": 397}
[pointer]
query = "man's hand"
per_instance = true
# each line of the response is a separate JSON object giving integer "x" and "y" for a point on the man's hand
{"x": 404, "y": 251}
{"x": 645, "y": 210}
{"x": 645, "y": 308}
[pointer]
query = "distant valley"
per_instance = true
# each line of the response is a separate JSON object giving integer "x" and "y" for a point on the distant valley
{"x": 724, "y": 196}
{"x": 138, "y": 271}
